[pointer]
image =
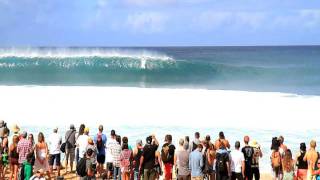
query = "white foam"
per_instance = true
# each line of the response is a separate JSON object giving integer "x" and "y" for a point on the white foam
{"x": 81, "y": 52}
{"x": 51, "y": 106}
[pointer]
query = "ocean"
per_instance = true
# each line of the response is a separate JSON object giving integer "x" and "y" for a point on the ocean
{"x": 257, "y": 91}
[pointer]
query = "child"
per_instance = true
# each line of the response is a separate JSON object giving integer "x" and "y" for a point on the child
{"x": 28, "y": 167}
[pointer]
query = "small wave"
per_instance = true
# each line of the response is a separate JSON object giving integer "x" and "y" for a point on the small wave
{"x": 62, "y": 53}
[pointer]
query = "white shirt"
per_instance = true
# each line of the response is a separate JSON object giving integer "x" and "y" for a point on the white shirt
{"x": 82, "y": 143}
{"x": 237, "y": 158}
{"x": 54, "y": 142}
{"x": 110, "y": 143}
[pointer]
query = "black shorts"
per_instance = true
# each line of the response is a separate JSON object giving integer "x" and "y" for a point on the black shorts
{"x": 54, "y": 157}
{"x": 110, "y": 166}
{"x": 101, "y": 158}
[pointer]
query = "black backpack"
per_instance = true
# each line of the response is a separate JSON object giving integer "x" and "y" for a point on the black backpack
{"x": 81, "y": 167}
{"x": 221, "y": 163}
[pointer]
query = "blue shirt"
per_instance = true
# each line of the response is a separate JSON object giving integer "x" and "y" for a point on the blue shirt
{"x": 196, "y": 163}
{"x": 102, "y": 150}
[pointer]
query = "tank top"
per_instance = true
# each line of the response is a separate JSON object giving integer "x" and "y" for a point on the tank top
{"x": 137, "y": 159}
{"x": 301, "y": 163}
{"x": 14, "y": 154}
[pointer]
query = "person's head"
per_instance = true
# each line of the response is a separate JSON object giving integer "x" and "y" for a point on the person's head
{"x": 125, "y": 146}
{"x": 221, "y": 135}
{"x": 313, "y": 144}
{"x": 40, "y": 173}
{"x": 275, "y": 144}
{"x": 29, "y": 157}
{"x": 81, "y": 129}
{"x": 186, "y": 146}
{"x": 55, "y": 130}
{"x": 208, "y": 138}
{"x": 237, "y": 145}
{"x": 31, "y": 138}
{"x": 15, "y": 139}
{"x": 72, "y": 127}
{"x": 86, "y": 131}
{"x": 125, "y": 140}
{"x": 113, "y": 133}
{"x": 100, "y": 128}
{"x": 281, "y": 139}
{"x": 181, "y": 142}
{"x": 303, "y": 147}
{"x": 6, "y": 132}
{"x": 200, "y": 147}
{"x": 197, "y": 135}
{"x": 246, "y": 139}
{"x": 149, "y": 139}
{"x": 118, "y": 139}
{"x": 139, "y": 142}
{"x": 40, "y": 137}
{"x": 24, "y": 135}
{"x": 187, "y": 139}
{"x": 90, "y": 141}
{"x": 168, "y": 138}
{"x": 89, "y": 153}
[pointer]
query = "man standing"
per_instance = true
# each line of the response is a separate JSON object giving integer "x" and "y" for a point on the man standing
{"x": 248, "y": 155}
{"x": 237, "y": 163}
{"x": 195, "y": 142}
{"x": 54, "y": 142}
{"x": 100, "y": 140}
{"x": 82, "y": 142}
{"x": 147, "y": 161}
{"x": 70, "y": 139}
{"x": 196, "y": 163}
{"x": 24, "y": 148}
{"x": 167, "y": 156}
{"x": 111, "y": 142}
{"x": 257, "y": 154}
{"x": 222, "y": 163}
{"x": 311, "y": 157}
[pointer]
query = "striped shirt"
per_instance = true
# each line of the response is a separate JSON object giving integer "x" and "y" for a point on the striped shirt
{"x": 115, "y": 150}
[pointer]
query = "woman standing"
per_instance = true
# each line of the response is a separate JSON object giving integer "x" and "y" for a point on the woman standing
{"x": 125, "y": 161}
{"x": 41, "y": 155}
{"x": 301, "y": 164}
{"x": 80, "y": 132}
{"x": 288, "y": 165}
{"x": 13, "y": 158}
{"x": 31, "y": 139}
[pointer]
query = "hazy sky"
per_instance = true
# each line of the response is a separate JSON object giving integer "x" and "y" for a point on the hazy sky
{"x": 158, "y": 22}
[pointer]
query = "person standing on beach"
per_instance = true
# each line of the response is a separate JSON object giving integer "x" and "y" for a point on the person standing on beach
{"x": 14, "y": 158}
{"x": 167, "y": 156}
{"x": 221, "y": 141}
{"x": 23, "y": 148}
{"x": 82, "y": 142}
{"x": 195, "y": 142}
{"x": 257, "y": 154}
{"x": 222, "y": 163}
{"x": 125, "y": 161}
{"x": 100, "y": 140}
{"x": 115, "y": 150}
{"x": 288, "y": 166}
{"x": 248, "y": 155}
{"x": 78, "y": 134}
{"x": 147, "y": 161}
{"x": 54, "y": 142}
{"x": 42, "y": 155}
{"x": 196, "y": 163}
{"x": 276, "y": 159}
{"x": 137, "y": 153}
{"x": 283, "y": 147}
{"x": 237, "y": 163}
{"x": 109, "y": 159}
{"x": 311, "y": 157}
{"x": 182, "y": 161}
{"x": 302, "y": 165}
{"x": 70, "y": 139}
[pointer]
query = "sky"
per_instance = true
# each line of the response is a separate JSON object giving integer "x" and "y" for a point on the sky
{"x": 159, "y": 22}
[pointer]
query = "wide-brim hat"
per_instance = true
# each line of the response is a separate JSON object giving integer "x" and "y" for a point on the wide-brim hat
{"x": 15, "y": 128}
{"x": 254, "y": 144}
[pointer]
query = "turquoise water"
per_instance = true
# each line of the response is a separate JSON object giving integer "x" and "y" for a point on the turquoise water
{"x": 292, "y": 69}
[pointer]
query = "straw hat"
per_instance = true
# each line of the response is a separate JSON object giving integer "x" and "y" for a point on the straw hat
{"x": 254, "y": 144}
{"x": 86, "y": 130}
{"x": 15, "y": 129}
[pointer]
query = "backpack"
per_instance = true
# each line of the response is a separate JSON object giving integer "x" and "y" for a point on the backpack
{"x": 99, "y": 141}
{"x": 221, "y": 163}
{"x": 81, "y": 167}
{"x": 167, "y": 153}
{"x": 276, "y": 159}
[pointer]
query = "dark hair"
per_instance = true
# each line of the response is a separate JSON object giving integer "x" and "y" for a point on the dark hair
{"x": 118, "y": 139}
{"x": 221, "y": 135}
{"x": 100, "y": 128}
{"x": 200, "y": 146}
{"x": 149, "y": 139}
{"x": 125, "y": 140}
{"x": 113, "y": 132}
{"x": 208, "y": 138}
{"x": 187, "y": 139}
{"x": 275, "y": 144}
{"x": 125, "y": 146}
{"x": 303, "y": 147}
{"x": 168, "y": 138}
{"x": 30, "y": 157}
{"x": 237, "y": 144}
{"x": 89, "y": 152}
{"x": 40, "y": 137}
{"x": 197, "y": 134}
{"x": 81, "y": 129}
